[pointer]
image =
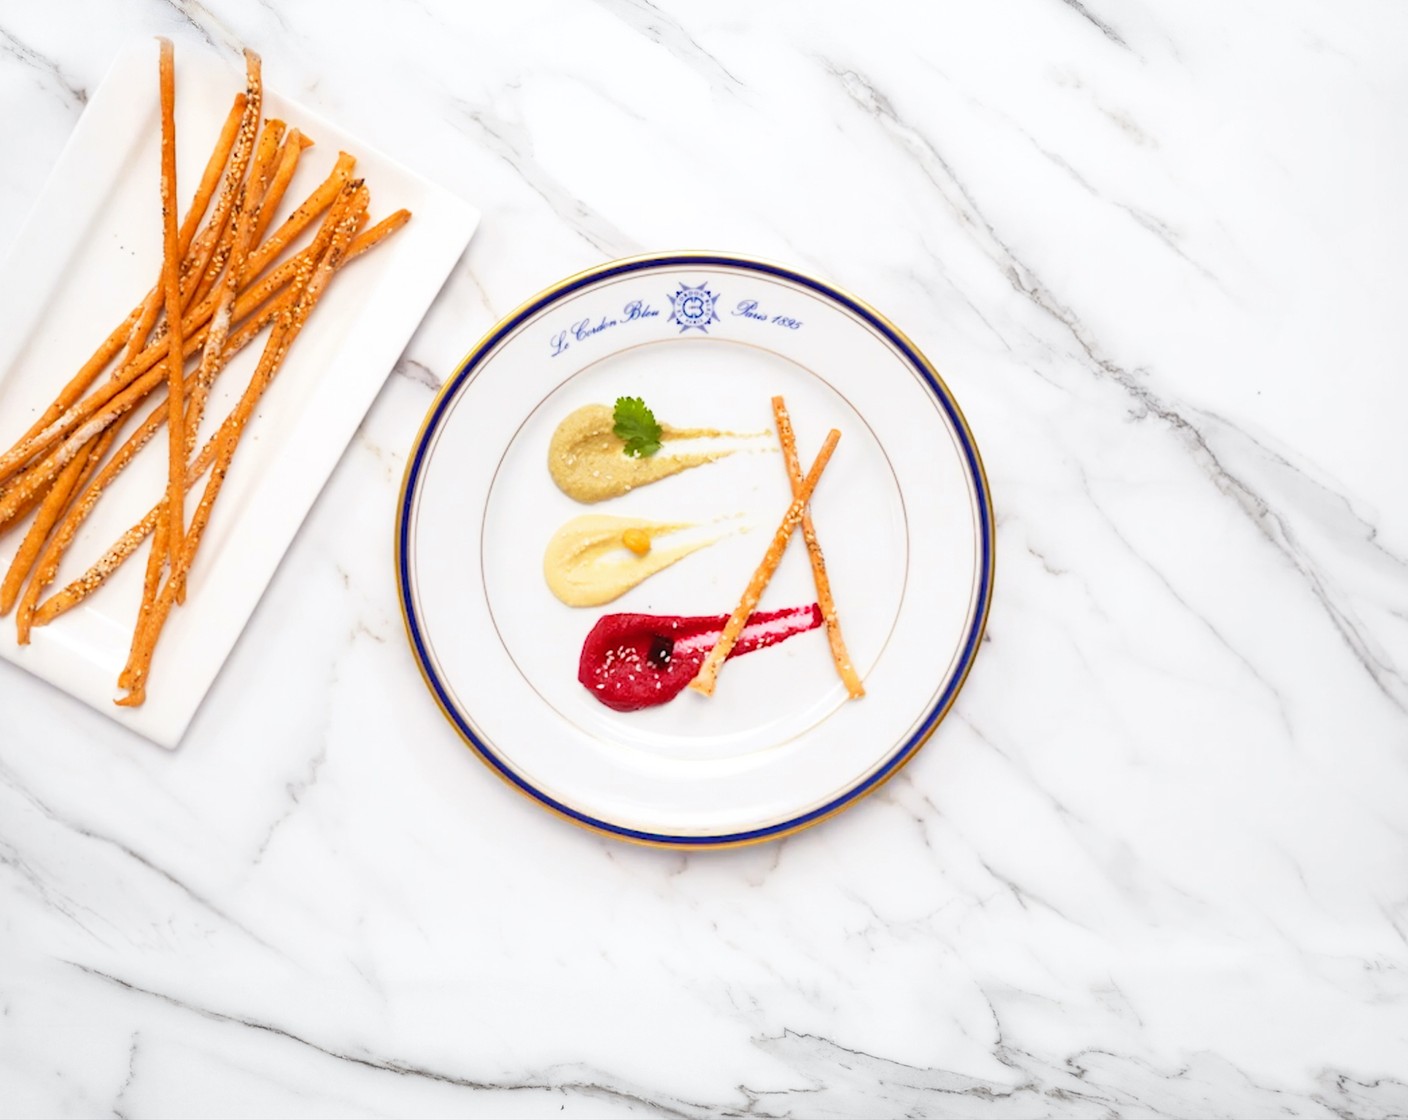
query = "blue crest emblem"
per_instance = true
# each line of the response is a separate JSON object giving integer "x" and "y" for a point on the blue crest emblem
{"x": 693, "y": 307}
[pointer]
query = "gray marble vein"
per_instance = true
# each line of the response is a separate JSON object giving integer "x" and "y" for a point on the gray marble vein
{"x": 656, "y": 24}
{"x": 1148, "y": 403}
{"x": 28, "y": 56}
{"x": 1095, "y": 21}
{"x": 507, "y": 140}
{"x": 128, "y": 852}
{"x": 206, "y": 24}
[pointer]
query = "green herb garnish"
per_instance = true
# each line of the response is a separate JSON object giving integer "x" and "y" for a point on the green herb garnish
{"x": 636, "y": 425}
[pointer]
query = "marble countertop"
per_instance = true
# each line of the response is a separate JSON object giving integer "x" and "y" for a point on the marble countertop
{"x": 1154, "y": 863}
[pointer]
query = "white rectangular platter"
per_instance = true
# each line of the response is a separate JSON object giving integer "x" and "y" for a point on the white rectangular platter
{"x": 88, "y": 253}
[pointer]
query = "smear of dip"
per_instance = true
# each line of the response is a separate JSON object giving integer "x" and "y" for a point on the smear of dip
{"x": 587, "y": 564}
{"x": 634, "y": 661}
{"x": 588, "y": 462}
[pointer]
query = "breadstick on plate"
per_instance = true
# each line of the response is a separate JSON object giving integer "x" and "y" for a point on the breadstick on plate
{"x": 116, "y": 399}
{"x": 152, "y": 620}
{"x": 171, "y": 281}
{"x": 19, "y": 457}
{"x": 123, "y": 547}
{"x": 67, "y": 409}
{"x": 220, "y": 284}
{"x": 269, "y": 139}
{"x": 842, "y": 658}
{"x": 90, "y": 581}
{"x": 308, "y": 212}
{"x": 337, "y": 233}
{"x": 199, "y": 274}
{"x": 708, "y": 671}
{"x": 26, "y": 506}
{"x": 23, "y": 492}
{"x": 294, "y": 144}
{"x": 217, "y": 331}
{"x": 247, "y": 210}
{"x": 76, "y": 474}
{"x": 128, "y": 543}
{"x": 123, "y": 332}
{"x": 157, "y": 559}
{"x": 27, "y": 489}
{"x": 69, "y": 482}
{"x": 56, "y": 426}
{"x": 77, "y": 512}
{"x": 36, "y": 478}
{"x": 116, "y": 555}
{"x": 240, "y": 123}
{"x": 214, "y": 168}
{"x": 75, "y": 389}
{"x": 75, "y": 515}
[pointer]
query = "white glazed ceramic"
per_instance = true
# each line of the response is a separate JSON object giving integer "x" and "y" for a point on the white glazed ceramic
{"x": 88, "y": 253}
{"x": 902, "y": 512}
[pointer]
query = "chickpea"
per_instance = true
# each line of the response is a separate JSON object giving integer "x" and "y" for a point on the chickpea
{"x": 637, "y": 540}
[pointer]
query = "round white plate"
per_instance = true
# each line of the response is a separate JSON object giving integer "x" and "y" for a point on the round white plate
{"x": 902, "y": 513}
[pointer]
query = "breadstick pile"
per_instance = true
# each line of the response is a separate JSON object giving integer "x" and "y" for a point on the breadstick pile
{"x": 798, "y": 513}
{"x": 221, "y": 284}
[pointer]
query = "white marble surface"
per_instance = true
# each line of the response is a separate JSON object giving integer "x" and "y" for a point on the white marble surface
{"x": 1156, "y": 861}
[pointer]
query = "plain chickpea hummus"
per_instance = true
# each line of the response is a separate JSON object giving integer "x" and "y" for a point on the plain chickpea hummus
{"x": 587, "y": 562}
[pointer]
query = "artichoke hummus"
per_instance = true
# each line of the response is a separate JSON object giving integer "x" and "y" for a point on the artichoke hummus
{"x": 588, "y": 462}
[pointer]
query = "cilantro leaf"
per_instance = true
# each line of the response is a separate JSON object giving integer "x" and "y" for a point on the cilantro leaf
{"x": 635, "y": 424}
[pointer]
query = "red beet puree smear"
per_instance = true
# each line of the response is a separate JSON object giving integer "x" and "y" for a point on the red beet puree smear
{"x": 634, "y": 661}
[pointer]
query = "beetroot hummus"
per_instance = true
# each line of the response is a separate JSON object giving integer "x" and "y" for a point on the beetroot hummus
{"x": 633, "y": 661}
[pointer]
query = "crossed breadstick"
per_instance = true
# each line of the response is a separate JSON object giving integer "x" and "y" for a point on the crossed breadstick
{"x": 798, "y": 513}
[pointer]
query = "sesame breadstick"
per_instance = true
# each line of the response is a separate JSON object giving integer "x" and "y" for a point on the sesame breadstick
{"x": 214, "y": 168}
{"x": 708, "y": 671}
{"x": 56, "y": 427}
{"x": 338, "y": 231}
{"x": 240, "y": 230}
{"x": 92, "y": 415}
{"x": 51, "y": 508}
{"x": 251, "y": 199}
{"x": 842, "y": 658}
{"x": 207, "y": 264}
{"x": 171, "y": 281}
{"x": 78, "y": 512}
{"x": 129, "y": 327}
{"x": 125, "y": 545}
{"x": 294, "y": 144}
